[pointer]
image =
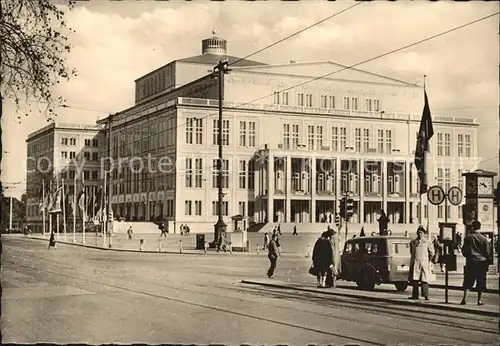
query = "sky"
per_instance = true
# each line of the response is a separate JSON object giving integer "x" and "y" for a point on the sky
{"x": 117, "y": 42}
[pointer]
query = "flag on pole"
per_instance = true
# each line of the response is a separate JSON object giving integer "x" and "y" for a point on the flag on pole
{"x": 82, "y": 204}
{"x": 422, "y": 149}
{"x": 57, "y": 200}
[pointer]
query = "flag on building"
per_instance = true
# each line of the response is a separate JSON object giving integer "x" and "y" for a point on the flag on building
{"x": 422, "y": 150}
{"x": 97, "y": 202}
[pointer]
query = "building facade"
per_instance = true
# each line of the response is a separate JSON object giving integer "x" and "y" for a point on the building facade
{"x": 296, "y": 137}
{"x": 59, "y": 154}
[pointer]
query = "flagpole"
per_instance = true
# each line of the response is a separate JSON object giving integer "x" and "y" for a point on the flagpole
{"x": 84, "y": 210}
{"x": 48, "y": 207}
{"x": 57, "y": 213}
{"x": 43, "y": 207}
{"x": 74, "y": 209}
{"x": 103, "y": 193}
{"x": 64, "y": 209}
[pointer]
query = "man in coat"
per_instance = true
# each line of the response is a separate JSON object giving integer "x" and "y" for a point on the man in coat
{"x": 272, "y": 255}
{"x": 422, "y": 251}
{"x": 477, "y": 253}
{"x": 334, "y": 270}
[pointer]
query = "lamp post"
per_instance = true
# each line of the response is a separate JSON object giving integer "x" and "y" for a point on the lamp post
{"x": 220, "y": 227}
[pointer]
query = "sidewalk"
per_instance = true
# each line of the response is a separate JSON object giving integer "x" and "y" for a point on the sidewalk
{"x": 490, "y": 307}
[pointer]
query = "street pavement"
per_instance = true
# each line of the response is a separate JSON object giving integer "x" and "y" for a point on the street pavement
{"x": 79, "y": 294}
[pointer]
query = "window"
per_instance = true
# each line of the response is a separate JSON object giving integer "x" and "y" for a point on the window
{"x": 87, "y": 142}
{"x": 447, "y": 144}
{"x": 95, "y": 175}
{"x": 188, "y": 207}
{"x": 346, "y": 103}
{"x": 447, "y": 179}
{"x": 251, "y": 208}
{"x": 300, "y": 100}
{"x": 310, "y": 137}
{"x": 460, "y": 179}
{"x": 440, "y": 177}
{"x": 241, "y": 208}
{"x": 376, "y": 105}
{"x": 86, "y": 175}
{"x": 366, "y": 140}
{"x": 189, "y": 173}
{"x": 380, "y": 141}
{"x": 225, "y": 174}
{"x": 198, "y": 177}
{"x": 295, "y": 136}
{"x": 72, "y": 141}
{"x": 276, "y": 98}
{"x": 215, "y": 133}
{"x": 199, "y": 131}
{"x": 440, "y": 144}
{"x": 468, "y": 151}
{"x": 189, "y": 131}
{"x": 368, "y": 104}
{"x": 388, "y": 141}
{"x": 331, "y": 102}
{"x": 64, "y": 141}
{"x": 72, "y": 174}
{"x": 339, "y": 139}
{"x": 323, "y": 101}
{"x": 242, "y": 175}
{"x": 225, "y": 132}
{"x": 357, "y": 140}
{"x": 460, "y": 145}
{"x": 215, "y": 208}
{"x": 72, "y": 155}
{"x": 309, "y": 102}
{"x": 286, "y": 136}
{"x": 95, "y": 143}
{"x": 197, "y": 208}
{"x": 64, "y": 154}
{"x": 95, "y": 156}
{"x": 243, "y": 133}
{"x": 319, "y": 137}
{"x": 284, "y": 98}
{"x": 354, "y": 103}
{"x": 251, "y": 175}
{"x": 251, "y": 133}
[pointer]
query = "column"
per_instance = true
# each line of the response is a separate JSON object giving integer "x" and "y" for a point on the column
{"x": 407, "y": 191}
{"x": 361, "y": 176}
{"x": 288, "y": 189}
{"x": 384, "y": 185}
{"x": 270, "y": 188}
{"x": 312, "y": 179}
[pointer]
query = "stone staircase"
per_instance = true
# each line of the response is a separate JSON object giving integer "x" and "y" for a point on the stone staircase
{"x": 120, "y": 227}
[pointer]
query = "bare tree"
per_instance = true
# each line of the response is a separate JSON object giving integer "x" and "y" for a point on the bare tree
{"x": 33, "y": 49}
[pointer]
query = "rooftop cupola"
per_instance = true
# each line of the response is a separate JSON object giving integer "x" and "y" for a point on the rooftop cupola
{"x": 214, "y": 45}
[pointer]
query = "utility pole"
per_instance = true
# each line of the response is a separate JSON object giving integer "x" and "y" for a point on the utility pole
{"x": 10, "y": 213}
{"x": 109, "y": 219}
{"x": 220, "y": 227}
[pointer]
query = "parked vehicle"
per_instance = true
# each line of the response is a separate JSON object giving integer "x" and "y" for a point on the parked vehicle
{"x": 376, "y": 260}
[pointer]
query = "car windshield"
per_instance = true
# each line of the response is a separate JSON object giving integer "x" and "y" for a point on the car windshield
{"x": 401, "y": 249}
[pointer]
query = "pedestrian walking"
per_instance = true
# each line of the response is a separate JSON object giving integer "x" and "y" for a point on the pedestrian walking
{"x": 129, "y": 232}
{"x": 272, "y": 255}
{"x": 477, "y": 253}
{"x": 266, "y": 241}
{"x": 438, "y": 252}
{"x": 278, "y": 243}
{"x": 322, "y": 258}
{"x": 294, "y": 230}
{"x": 383, "y": 221}
{"x": 221, "y": 244}
{"x": 421, "y": 251}
{"x": 362, "y": 233}
{"x": 52, "y": 241}
{"x": 334, "y": 269}
{"x": 162, "y": 229}
{"x": 279, "y": 229}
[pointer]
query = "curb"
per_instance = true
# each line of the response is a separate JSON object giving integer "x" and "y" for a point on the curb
{"x": 380, "y": 299}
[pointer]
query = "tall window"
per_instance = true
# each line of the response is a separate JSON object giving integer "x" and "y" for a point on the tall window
{"x": 225, "y": 132}
{"x": 376, "y": 105}
{"x": 447, "y": 179}
{"x": 347, "y": 103}
{"x": 188, "y": 207}
{"x": 331, "y": 102}
{"x": 366, "y": 140}
{"x": 251, "y": 133}
{"x": 64, "y": 141}
{"x": 440, "y": 144}
{"x": 319, "y": 137}
{"x": 309, "y": 102}
{"x": 339, "y": 139}
{"x": 215, "y": 208}
{"x": 189, "y": 131}
{"x": 460, "y": 179}
{"x": 468, "y": 150}
{"x": 286, "y": 136}
{"x": 388, "y": 141}
{"x": 460, "y": 145}
{"x": 243, "y": 133}
{"x": 198, "y": 177}
{"x": 447, "y": 144}
{"x": 357, "y": 140}
{"x": 225, "y": 174}
{"x": 295, "y": 136}
{"x": 215, "y": 133}
{"x": 380, "y": 141}
{"x": 369, "y": 105}
{"x": 284, "y": 98}
{"x": 300, "y": 100}
{"x": 189, "y": 173}
{"x": 199, "y": 131}
{"x": 276, "y": 97}
{"x": 324, "y": 101}
{"x": 241, "y": 208}
{"x": 242, "y": 174}
{"x": 251, "y": 175}
{"x": 354, "y": 102}
{"x": 197, "y": 208}
{"x": 310, "y": 137}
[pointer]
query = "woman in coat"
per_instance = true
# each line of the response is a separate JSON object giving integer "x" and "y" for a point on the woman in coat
{"x": 334, "y": 270}
{"x": 322, "y": 258}
{"x": 422, "y": 251}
